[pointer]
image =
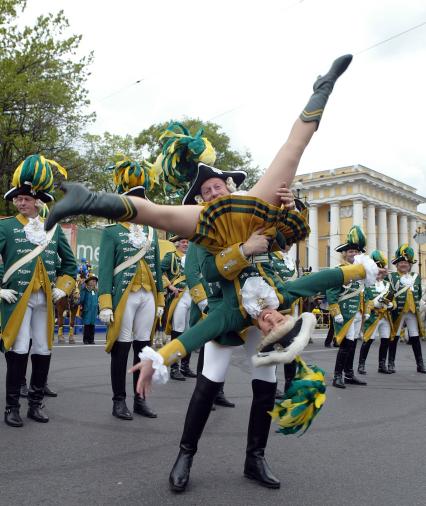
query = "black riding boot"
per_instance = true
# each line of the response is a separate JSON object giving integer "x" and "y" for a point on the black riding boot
{"x": 383, "y": 351}
{"x": 255, "y": 467}
{"x": 24, "y": 388}
{"x": 185, "y": 369}
{"x": 340, "y": 364}
{"x": 140, "y": 405}
{"x": 349, "y": 366}
{"x": 16, "y": 367}
{"x": 119, "y": 354}
{"x": 196, "y": 417}
{"x": 392, "y": 353}
{"x": 417, "y": 350}
{"x": 363, "y": 353}
{"x": 174, "y": 368}
{"x": 330, "y": 335}
{"x": 40, "y": 371}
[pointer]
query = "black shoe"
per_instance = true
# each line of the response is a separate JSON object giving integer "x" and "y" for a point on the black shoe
{"x": 338, "y": 381}
{"x": 421, "y": 367}
{"x": 49, "y": 392}
{"x": 353, "y": 380}
{"x": 141, "y": 407}
{"x": 179, "y": 475}
{"x": 391, "y": 367}
{"x": 361, "y": 368}
{"x": 187, "y": 372}
{"x": 12, "y": 417}
{"x": 36, "y": 413}
{"x": 176, "y": 374}
{"x": 327, "y": 345}
{"x": 221, "y": 400}
{"x": 256, "y": 468}
{"x": 120, "y": 410}
{"x": 23, "y": 392}
{"x": 382, "y": 368}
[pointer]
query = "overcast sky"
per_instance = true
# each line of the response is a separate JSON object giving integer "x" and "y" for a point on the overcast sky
{"x": 249, "y": 66}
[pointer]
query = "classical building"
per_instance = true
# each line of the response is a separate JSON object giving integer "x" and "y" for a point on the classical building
{"x": 385, "y": 208}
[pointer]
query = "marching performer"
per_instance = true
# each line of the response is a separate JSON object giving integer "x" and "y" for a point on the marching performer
{"x": 178, "y": 301}
{"x": 377, "y": 318}
{"x": 30, "y": 268}
{"x": 408, "y": 292}
{"x": 241, "y": 217}
{"x": 345, "y": 305}
{"x": 130, "y": 287}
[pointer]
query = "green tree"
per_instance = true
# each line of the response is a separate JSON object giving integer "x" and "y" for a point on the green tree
{"x": 227, "y": 158}
{"x": 43, "y": 99}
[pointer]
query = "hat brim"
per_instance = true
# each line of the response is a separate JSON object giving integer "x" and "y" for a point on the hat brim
{"x": 26, "y": 190}
{"x": 137, "y": 191}
{"x": 347, "y": 246}
{"x": 176, "y": 238}
{"x": 205, "y": 172}
{"x": 286, "y": 348}
{"x": 401, "y": 259}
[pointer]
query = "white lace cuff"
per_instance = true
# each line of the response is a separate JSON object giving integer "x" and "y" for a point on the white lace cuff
{"x": 161, "y": 375}
{"x": 371, "y": 269}
{"x": 257, "y": 295}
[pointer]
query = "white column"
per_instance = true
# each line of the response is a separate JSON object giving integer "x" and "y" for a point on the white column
{"x": 412, "y": 242}
{"x": 371, "y": 227}
{"x": 403, "y": 229}
{"x": 393, "y": 234}
{"x": 382, "y": 232}
{"x": 334, "y": 233}
{"x": 313, "y": 238}
{"x": 357, "y": 213}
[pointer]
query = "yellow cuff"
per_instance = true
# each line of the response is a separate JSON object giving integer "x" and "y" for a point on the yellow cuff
{"x": 65, "y": 283}
{"x": 198, "y": 293}
{"x": 166, "y": 281}
{"x": 334, "y": 309}
{"x": 230, "y": 262}
{"x": 172, "y": 352}
{"x": 352, "y": 273}
{"x": 160, "y": 299}
{"x": 105, "y": 301}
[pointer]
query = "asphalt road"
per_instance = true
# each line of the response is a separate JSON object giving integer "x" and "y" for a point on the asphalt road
{"x": 367, "y": 447}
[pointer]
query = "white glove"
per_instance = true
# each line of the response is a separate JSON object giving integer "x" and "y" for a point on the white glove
{"x": 389, "y": 306}
{"x": 57, "y": 294}
{"x": 160, "y": 311}
{"x": 367, "y": 316}
{"x": 202, "y": 305}
{"x": 339, "y": 319}
{"x": 106, "y": 316}
{"x": 8, "y": 295}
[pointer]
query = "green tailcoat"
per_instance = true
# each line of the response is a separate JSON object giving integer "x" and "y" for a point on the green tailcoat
{"x": 402, "y": 301}
{"x": 370, "y": 293}
{"x": 341, "y": 302}
{"x": 198, "y": 287}
{"x": 13, "y": 246}
{"x": 227, "y": 316}
{"x": 116, "y": 248}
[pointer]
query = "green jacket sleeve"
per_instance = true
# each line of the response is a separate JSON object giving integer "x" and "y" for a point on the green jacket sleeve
{"x": 68, "y": 264}
{"x": 319, "y": 282}
{"x": 158, "y": 272}
{"x": 106, "y": 266}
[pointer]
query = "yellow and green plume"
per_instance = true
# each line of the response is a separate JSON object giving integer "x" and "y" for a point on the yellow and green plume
{"x": 128, "y": 174}
{"x": 380, "y": 258}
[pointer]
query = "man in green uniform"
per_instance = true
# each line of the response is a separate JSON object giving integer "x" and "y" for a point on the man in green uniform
{"x": 130, "y": 288}
{"x": 178, "y": 301}
{"x": 30, "y": 269}
{"x": 345, "y": 304}
{"x": 377, "y": 318}
{"x": 406, "y": 286}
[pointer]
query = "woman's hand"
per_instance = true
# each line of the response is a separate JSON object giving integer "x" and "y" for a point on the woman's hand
{"x": 146, "y": 372}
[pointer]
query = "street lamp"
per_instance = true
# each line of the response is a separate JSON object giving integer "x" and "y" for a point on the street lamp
{"x": 298, "y": 186}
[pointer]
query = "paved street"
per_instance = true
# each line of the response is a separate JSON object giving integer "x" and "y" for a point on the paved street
{"x": 366, "y": 447}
